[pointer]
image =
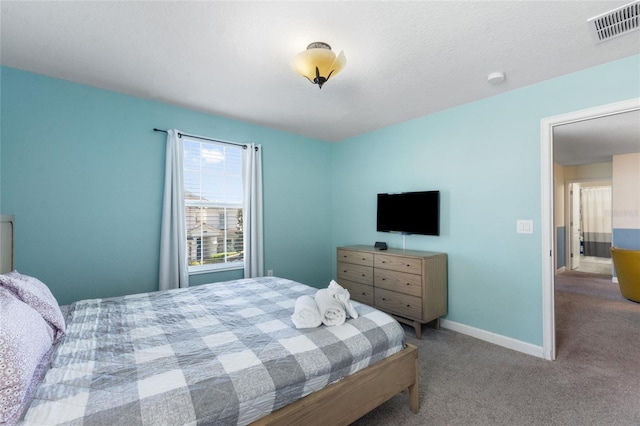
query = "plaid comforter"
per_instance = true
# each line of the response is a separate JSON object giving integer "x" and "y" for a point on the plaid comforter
{"x": 223, "y": 353}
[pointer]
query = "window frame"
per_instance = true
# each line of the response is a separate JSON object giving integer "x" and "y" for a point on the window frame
{"x": 213, "y": 267}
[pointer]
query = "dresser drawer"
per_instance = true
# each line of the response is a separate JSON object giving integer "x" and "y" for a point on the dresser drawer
{"x": 398, "y": 303}
{"x": 357, "y": 257}
{"x": 360, "y": 292}
{"x": 398, "y": 281}
{"x": 398, "y": 263}
{"x": 358, "y": 273}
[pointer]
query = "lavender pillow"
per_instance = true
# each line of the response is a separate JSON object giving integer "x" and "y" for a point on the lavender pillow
{"x": 37, "y": 295}
{"x": 25, "y": 338}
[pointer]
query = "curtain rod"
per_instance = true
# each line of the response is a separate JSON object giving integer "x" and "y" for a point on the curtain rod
{"x": 203, "y": 138}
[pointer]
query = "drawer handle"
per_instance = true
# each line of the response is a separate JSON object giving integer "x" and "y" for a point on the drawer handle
{"x": 408, "y": 306}
{"x": 384, "y": 279}
{"x": 408, "y": 283}
{"x": 408, "y": 266}
{"x": 363, "y": 275}
{"x": 384, "y": 261}
{"x": 364, "y": 258}
{"x": 364, "y": 294}
{"x": 384, "y": 298}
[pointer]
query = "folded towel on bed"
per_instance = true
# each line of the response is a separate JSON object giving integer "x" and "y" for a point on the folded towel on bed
{"x": 331, "y": 310}
{"x": 306, "y": 313}
{"x": 342, "y": 294}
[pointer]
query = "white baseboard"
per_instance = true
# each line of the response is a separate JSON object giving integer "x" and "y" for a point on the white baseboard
{"x": 614, "y": 280}
{"x": 497, "y": 339}
{"x": 562, "y": 269}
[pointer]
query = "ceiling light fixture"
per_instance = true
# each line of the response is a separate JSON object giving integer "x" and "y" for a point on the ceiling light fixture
{"x": 318, "y": 63}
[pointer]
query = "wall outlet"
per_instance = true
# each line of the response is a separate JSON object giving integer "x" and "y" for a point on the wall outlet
{"x": 270, "y": 273}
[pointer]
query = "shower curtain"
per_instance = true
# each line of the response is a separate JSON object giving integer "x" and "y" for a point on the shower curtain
{"x": 596, "y": 220}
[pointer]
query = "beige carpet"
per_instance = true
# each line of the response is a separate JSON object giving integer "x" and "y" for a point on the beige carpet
{"x": 594, "y": 381}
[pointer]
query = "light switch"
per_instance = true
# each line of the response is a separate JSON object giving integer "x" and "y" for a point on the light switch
{"x": 524, "y": 226}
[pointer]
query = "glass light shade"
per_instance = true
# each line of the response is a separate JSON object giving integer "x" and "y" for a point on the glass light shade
{"x": 323, "y": 59}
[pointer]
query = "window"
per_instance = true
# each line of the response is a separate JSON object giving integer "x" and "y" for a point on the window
{"x": 213, "y": 205}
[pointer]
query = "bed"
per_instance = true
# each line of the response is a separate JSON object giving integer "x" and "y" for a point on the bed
{"x": 223, "y": 353}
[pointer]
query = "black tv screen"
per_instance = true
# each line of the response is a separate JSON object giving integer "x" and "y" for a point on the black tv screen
{"x": 409, "y": 213}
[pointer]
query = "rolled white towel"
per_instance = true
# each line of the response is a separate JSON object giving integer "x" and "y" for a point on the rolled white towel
{"x": 306, "y": 313}
{"x": 342, "y": 294}
{"x": 331, "y": 310}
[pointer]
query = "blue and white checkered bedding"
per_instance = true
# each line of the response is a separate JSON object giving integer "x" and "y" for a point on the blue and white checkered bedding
{"x": 223, "y": 353}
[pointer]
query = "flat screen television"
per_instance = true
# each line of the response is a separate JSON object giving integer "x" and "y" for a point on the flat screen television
{"x": 409, "y": 213}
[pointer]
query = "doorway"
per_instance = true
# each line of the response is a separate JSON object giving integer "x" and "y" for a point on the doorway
{"x": 548, "y": 224}
{"x": 589, "y": 207}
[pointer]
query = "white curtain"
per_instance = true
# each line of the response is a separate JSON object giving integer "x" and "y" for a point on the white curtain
{"x": 252, "y": 211}
{"x": 173, "y": 253}
{"x": 596, "y": 220}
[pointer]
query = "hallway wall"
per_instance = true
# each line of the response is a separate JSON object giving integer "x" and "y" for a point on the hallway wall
{"x": 626, "y": 201}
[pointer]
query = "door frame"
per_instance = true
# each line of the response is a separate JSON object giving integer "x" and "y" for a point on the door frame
{"x": 583, "y": 183}
{"x": 571, "y": 188}
{"x": 548, "y": 227}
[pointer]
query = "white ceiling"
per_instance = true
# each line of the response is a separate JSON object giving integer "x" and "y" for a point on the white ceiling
{"x": 404, "y": 59}
{"x": 597, "y": 140}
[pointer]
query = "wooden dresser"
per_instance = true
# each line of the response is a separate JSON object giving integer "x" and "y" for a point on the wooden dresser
{"x": 411, "y": 285}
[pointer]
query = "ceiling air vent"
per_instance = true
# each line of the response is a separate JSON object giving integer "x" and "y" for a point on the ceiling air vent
{"x": 618, "y": 22}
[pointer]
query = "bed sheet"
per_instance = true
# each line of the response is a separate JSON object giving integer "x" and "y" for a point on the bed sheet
{"x": 222, "y": 353}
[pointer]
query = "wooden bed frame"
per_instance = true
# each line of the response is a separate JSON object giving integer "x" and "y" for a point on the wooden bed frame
{"x": 347, "y": 400}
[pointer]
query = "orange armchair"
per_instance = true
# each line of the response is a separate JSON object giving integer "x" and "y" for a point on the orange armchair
{"x": 627, "y": 264}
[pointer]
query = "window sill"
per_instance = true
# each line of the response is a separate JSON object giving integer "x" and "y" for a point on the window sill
{"x": 196, "y": 270}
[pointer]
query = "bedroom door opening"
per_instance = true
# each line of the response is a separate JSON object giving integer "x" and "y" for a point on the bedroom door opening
{"x": 589, "y": 209}
{"x": 574, "y": 225}
{"x": 548, "y": 225}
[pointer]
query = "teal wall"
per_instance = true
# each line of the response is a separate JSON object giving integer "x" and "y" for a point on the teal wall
{"x": 82, "y": 171}
{"x": 484, "y": 157}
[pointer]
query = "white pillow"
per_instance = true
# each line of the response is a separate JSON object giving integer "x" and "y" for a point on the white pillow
{"x": 25, "y": 337}
{"x": 34, "y": 293}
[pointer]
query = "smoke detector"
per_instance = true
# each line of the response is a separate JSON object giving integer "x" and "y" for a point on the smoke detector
{"x": 615, "y": 23}
{"x": 496, "y": 77}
